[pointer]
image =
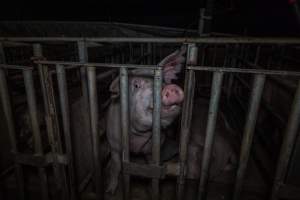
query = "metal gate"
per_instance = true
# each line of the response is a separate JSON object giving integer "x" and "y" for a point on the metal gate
{"x": 61, "y": 156}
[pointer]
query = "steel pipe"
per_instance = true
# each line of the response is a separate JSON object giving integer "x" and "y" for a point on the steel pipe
{"x": 93, "y": 102}
{"x": 256, "y": 95}
{"x": 6, "y": 103}
{"x": 51, "y": 121}
{"x": 125, "y": 127}
{"x": 196, "y": 68}
{"x": 156, "y": 128}
{"x": 65, "y": 112}
{"x": 210, "y": 132}
{"x": 33, "y": 113}
{"x": 201, "y": 40}
{"x": 287, "y": 145}
{"x": 189, "y": 87}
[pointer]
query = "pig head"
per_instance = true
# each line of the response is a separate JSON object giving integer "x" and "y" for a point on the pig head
{"x": 140, "y": 90}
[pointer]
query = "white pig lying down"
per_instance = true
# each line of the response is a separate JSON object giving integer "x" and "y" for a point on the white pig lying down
{"x": 140, "y": 90}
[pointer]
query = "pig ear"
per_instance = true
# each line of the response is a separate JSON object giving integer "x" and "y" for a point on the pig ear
{"x": 114, "y": 88}
{"x": 172, "y": 64}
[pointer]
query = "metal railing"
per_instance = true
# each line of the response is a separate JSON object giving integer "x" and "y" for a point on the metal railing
{"x": 155, "y": 171}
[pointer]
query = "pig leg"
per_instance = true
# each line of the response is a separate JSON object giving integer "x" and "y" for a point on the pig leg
{"x": 115, "y": 169}
{"x": 114, "y": 138}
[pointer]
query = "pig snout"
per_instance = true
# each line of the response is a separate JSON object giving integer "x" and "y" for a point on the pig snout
{"x": 171, "y": 95}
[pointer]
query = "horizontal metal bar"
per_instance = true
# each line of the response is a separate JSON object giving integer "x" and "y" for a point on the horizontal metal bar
{"x": 39, "y": 160}
{"x": 148, "y": 171}
{"x": 244, "y": 70}
{"x": 105, "y": 75}
{"x": 202, "y": 40}
{"x": 110, "y": 65}
{"x": 6, "y": 66}
{"x": 196, "y": 68}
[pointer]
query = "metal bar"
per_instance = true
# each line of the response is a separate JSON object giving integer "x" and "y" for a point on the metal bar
{"x": 208, "y": 40}
{"x": 125, "y": 127}
{"x": 32, "y": 107}
{"x": 197, "y": 68}
{"x": 189, "y": 87}
{"x": 210, "y": 131}
{"x": 256, "y": 95}
{"x": 7, "y": 109}
{"x": 287, "y": 145}
{"x": 65, "y": 112}
{"x": 156, "y": 128}
{"x": 149, "y": 53}
{"x": 51, "y": 122}
{"x": 245, "y": 71}
{"x": 18, "y": 67}
{"x": 106, "y": 74}
{"x": 93, "y": 102}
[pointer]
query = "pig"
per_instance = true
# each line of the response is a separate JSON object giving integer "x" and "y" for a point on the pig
{"x": 141, "y": 112}
{"x": 224, "y": 156}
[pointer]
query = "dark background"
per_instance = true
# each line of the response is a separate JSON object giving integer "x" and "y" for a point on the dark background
{"x": 251, "y": 17}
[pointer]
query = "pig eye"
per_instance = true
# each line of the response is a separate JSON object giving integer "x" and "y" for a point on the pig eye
{"x": 137, "y": 84}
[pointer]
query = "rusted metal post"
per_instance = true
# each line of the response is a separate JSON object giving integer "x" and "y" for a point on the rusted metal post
{"x": 6, "y": 103}
{"x": 256, "y": 94}
{"x": 32, "y": 107}
{"x": 65, "y": 111}
{"x": 210, "y": 132}
{"x": 189, "y": 86}
{"x": 287, "y": 145}
{"x": 156, "y": 127}
{"x": 51, "y": 122}
{"x": 125, "y": 126}
{"x": 93, "y": 102}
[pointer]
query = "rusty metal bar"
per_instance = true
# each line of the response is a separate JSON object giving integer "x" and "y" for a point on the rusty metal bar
{"x": 207, "y": 40}
{"x": 189, "y": 86}
{"x": 32, "y": 107}
{"x": 93, "y": 102}
{"x": 156, "y": 128}
{"x": 65, "y": 112}
{"x": 210, "y": 131}
{"x": 51, "y": 122}
{"x": 287, "y": 145}
{"x": 256, "y": 95}
{"x": 7, "y": 109}
{"x": 125, "y": 127}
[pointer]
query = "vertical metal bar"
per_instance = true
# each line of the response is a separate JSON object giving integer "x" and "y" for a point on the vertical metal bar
{"x": 65, "y": 111}
{"x": 210, "y": 131}
{"x": 125, "y": 125}
{"x": 4, "y": 95}
{"x": 256, "y": 94}
{"x": 149, "y": 52}
{"x": 51, "y": 122}
{"x": 189, "y": 86}
{"x": 31, "y": 101}
{"x": 83, "y": 57}
{"x": 287, "y": 145}
{"x": 93, "y": 102}
{"x": 142, "y": 53}
{"x": 156, "y": 127}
